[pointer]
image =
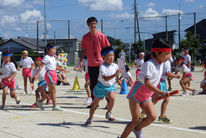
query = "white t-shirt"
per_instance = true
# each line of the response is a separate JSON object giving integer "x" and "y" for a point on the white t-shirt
{"x": 187, "y": 59}
{"x": 139, "y": 62}
{"x": 151, "y": 70}
{"x": 107, "y": 70}
{"x": 85, "y": 64}
{"x": 171, "y": 60}
{"x": 8, "y": 69}
{"x": 50, "y": 62}
{"x": 166, "y": 68}
{"x": 26, "y": 62}
{"x": 41, "y": 73}
{"x": 182, "y": 69}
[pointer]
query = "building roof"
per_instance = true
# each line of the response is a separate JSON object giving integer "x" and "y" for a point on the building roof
{"x": 33, "y": 41}
{"x": 172, "y": 31}
{"x": 203, "y": 21}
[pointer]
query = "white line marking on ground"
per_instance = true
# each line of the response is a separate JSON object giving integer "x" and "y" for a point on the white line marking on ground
{"x": 121, "y": 119}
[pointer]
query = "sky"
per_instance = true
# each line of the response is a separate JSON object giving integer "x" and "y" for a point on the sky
{"x": 19, "y": 17}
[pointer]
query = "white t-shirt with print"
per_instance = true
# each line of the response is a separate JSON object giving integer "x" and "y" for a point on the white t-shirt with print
{"x": 26, "y": 62}
{"x": 107, "y": 70}
{"x": 50, "y": 62}
{"x": 41, "y": 75}
{"x": 182, "y": 69}
{"x": 8, "y": 69}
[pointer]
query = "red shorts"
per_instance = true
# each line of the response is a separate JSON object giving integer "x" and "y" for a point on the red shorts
{"x": 86, "y": 76}
{"x": 26, "y": 72}
{"x": 140, "y": 93}
{"x": 51, "y": 77}
{"x": 189, "y": 76}
{"x": 11, "y": 84}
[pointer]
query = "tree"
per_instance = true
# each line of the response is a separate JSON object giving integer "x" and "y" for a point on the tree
{"x": 1, "y": 40}
{"x": 138, "y": 47}
{"x": 191, "y": 42}
{"x": 118, "y": 45}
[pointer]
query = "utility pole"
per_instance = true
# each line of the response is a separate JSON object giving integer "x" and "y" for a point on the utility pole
{"x": 179, "y": 18}
{"x": 69, "y": 30}
{"x": 138, "y": 25}
{"x": 37, "y": 37}
{"x": 166, "y": 28}
{"x": 45, "y": 27}
{"x": 55, "y": 37}
{"x": 135, "y": 21}
{"x": 102, "y": 31}
{"x": 195, "y": 31}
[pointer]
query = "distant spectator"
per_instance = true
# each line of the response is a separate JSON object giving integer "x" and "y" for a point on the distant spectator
{"x": 122, "y": 54}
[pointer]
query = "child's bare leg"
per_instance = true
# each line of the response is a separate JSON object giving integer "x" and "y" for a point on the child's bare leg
{"x": 44, "y": 96}
{"x": 93, "y": 107}
{"x": 135, "y": 112}
{"x": 5, "y": 90}
{"x": 182, "y": 84}
{"x": 86, "y": 86}
{"x": 30, "y": 80}
{"x": 187, "y": 82}
{"x": 38, "y": 90}
{"x": 52, "y": 91}
{"x": 25, "y": 83}
{"x": 111, "y": 101}
{"x": 148, "y": 108}
{"x": 164, "y": 107}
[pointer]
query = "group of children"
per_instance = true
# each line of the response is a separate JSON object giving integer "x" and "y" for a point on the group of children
{"x": 151, "y": 75}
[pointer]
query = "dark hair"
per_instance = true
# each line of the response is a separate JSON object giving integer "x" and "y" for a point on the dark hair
{"x": 161, "y": 43}
{"x": 91, "y": 19}
{"x": 126, "y": 68}
{"x": 49, "y": 45}
{"x": 85, "y": 57}
{"x": 12, "y": 59}
{"x": 108, "y": 48}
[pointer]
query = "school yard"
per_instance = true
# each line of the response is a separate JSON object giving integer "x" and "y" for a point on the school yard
{"x": 20, "y": 121}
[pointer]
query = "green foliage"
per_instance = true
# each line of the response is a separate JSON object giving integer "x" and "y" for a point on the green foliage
{"x": 1, "y": 40}
{"x": 138, "y": 47}
{"x": 118, "y": 46}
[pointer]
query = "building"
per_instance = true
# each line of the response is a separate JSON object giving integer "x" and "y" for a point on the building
{"x": 200, "y": 29}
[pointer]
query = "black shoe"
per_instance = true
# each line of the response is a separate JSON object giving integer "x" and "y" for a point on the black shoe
{"x": 89, "y": 106}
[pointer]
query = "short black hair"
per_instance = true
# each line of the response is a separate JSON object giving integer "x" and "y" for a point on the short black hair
{"x": 161, "y": 43}
{"x": 91, "y": 19}
{"x": 48, "y": 46}
{"x": 108, "y": 48}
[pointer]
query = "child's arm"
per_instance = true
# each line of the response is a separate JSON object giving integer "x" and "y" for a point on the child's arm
{"x": 149, "y": 85}
{"x": 107, "y": 78}
{"x": 11, "y": 77}
{"x": 38, "y": 71}
{"x": 172, "y": 75}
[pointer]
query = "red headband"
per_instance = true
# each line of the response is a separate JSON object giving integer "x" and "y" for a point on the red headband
{"x": 162, "y": 49}
{"x": 38, "y": 58}
{"x": 181, "y": 59}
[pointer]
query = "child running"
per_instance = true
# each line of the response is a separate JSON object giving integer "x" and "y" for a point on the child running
{"x": 108, "y": 74}
{"x": 42, "y": 86}
{"x": 139, "y": 63}
{"x": 27, "y": 64}
{"x": 142, "y": 90}
{"x": 203, "y": 85}
{"x": 50, "y": 63}
{"x": 186, "y": 76}
{"x": 8, "y": 73}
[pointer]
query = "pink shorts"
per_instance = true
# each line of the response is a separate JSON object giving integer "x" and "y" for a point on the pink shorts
{"x": 26, "y": 72}
{"x": 11, "y": 84}
{"x": 86, "y": 76}
{"x": 51, "y": 77}
{"x": 138, "y": 72}
{"x": 189, "y": 76}
{"x": 140, "y": 93}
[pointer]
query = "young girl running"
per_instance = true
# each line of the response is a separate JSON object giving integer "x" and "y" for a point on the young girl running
{"x": 108, "y": 74}
{"x": 142, "y": 90}
{"x": 186, "y": 76}
{"x": 42, "y": 86}
{"x": 50, "y": 63}
{"x": 8, "y": 73}
{"x": 27, "y": 64}
{"x": 139, "y": 63}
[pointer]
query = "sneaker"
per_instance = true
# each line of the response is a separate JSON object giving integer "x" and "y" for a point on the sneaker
{"x": 138, "y": 133}
{"x": 184, "y": 94}
{"x": 33, "y": 92}
{"x": 109, "y": 116}
{"x": 88, "y": 100}
{"x": 17, "y": 99}
{"x": 164, "y": 120}
{"x": 57, "y": 108}
{"x": 89, "y": 106}
{"x": 25, "y": 92}
{"x": 89, "y": 122}
{"x": 34, "y": 105}
{"x": 48, "y": 101}
{"x": 2, "y": 107}
{"x": 40, "y": 105}
{"x": 141, "y": 117}
{"x": 194, "y": 92}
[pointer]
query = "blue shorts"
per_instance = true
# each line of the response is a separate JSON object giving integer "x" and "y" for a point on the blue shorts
{"x": 163, "y": 86}
{"x": 100, "y": 91}
{"x": 43, "y": 83}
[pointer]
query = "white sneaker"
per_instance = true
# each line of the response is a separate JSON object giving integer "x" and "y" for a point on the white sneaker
{"x": 138, "y": 133}
{"x": 17, "y": 99}
{"x": 33, "y": 92}
{"x": 184, "y": 94}
{"x": 25, "y": 92}
{"x": 194, "y": 92}
{"x": 88, "y": 100}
